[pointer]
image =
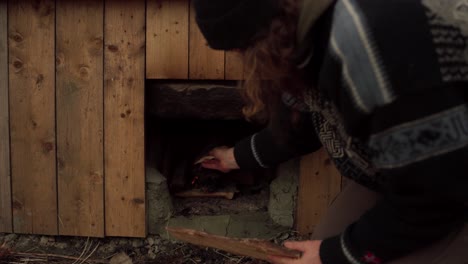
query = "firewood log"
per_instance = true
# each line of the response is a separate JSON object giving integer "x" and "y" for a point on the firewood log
{"x": 250, "y": 247}
{"x": 201, "y": 194}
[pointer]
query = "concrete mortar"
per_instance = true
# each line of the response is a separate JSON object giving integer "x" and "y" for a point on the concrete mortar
{"x": 283, "y": 193}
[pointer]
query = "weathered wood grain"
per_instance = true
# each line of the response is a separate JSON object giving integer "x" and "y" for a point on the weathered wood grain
{"x": 319, "y": 183}
{"x": 167, "y": 39}
{"x": 5, "y": 177}
{"x": 32, "y": 115}
{"x": 204, "y": 62}
{"x": 80, "y": 154}
{"x": 124, "y": 118}
{"x": 234, "y": 68}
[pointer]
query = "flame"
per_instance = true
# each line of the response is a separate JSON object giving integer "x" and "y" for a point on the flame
{"x": 195, "y": 179}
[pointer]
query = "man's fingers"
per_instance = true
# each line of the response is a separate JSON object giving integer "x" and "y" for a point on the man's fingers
{"x": 217, "y": 151}
{"x": 215, "y": 165}
{"x": 298, "y": 245}
{"x": 210, "y": 161}
{"x": 280, "y": 260}
{"x": 211, "y": 164}
{"x": 309, "y": 249}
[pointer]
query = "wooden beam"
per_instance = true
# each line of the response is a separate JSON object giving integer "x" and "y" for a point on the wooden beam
{"x": 319, "y": 183}
{"x": 196, "y": 101}
{"x": 5, "y": 177}
{"x": 124, "y": 118}
{"x": 167, "y": 39}
{"x": 204, "y": 62}
{"x": 32, "y": 115}
{"x": 80, "y": 117}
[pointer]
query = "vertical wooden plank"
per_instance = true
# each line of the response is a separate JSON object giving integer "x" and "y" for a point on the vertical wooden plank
{"x": 204, "y": 62}
{"x": 124, "y": 118}
{"x": 234, "y": 66}
{"x": 32, "y": 116}
{"x": 80, "y": 155}
{"x": 319, "y": 183}
{"x": 5, "y": 178}
{"x": 167, "y": 39}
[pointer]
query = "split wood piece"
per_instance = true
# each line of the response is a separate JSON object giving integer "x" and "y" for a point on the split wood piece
{"x": 198, "y": 193}
{"x": 254, "y": 248}
{"x": 202, "y": 159}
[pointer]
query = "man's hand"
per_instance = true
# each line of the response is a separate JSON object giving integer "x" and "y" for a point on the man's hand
{"x": 309, "y": 249}
{"x": 224, "y": 160}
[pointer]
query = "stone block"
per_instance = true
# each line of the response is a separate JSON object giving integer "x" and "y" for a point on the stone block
{"x": 159, "y": 201}
{"x": 283, "y": 193}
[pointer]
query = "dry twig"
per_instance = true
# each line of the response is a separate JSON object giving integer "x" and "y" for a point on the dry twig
{"x": 83, "y": 252}
{"x": 90, "y": 254}
{"x": 42, "y": 257}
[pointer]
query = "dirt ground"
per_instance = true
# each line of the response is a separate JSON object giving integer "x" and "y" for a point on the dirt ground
{"x": 31, "y": 249}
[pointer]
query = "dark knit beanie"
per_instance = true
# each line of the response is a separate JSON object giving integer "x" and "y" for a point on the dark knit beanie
{"x": 231, "y": 24}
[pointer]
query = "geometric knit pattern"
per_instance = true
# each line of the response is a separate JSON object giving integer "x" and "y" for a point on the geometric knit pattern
{"x": 448, "y": 21}
{"x": 350, "y": 156}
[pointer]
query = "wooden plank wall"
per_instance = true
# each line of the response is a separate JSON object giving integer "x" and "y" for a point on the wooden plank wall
{"x": 54, "y": 60}
{"x": 234, "y": 66}
{"x": 80, "y": 117}
{"x": 319, "y": 183}
{"x": 124, "y": 118}
{"x": 167, "y": 39}
{"x": 32, "y": 115}
{"x": 5, "y": 179}
{"x": 204, "y": 62}
{"x": 176, "y": 49}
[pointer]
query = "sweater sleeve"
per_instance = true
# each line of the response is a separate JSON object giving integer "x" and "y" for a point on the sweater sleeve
{"x": 280, "y": 141}
{"x": 421, "y": 153}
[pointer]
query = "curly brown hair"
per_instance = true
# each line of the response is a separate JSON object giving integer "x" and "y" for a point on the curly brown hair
{"x": 269, "y": 69}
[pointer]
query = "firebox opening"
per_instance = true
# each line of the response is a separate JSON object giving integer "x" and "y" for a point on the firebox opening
{"x": 184, "y": 122}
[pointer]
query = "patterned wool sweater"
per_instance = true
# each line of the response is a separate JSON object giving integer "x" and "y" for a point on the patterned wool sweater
{"x": 391, "y": 108}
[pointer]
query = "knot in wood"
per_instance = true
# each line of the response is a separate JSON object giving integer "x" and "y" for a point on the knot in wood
{"x": 113, "y": 48}
{"x": 47, "y": 147}
{"x": 84, "y": 72}
{"x": 18, "y": 64}
{"x": 59, "y": 59}
{"x": 39, "y": 79}
{"x": 17, "y": 37}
